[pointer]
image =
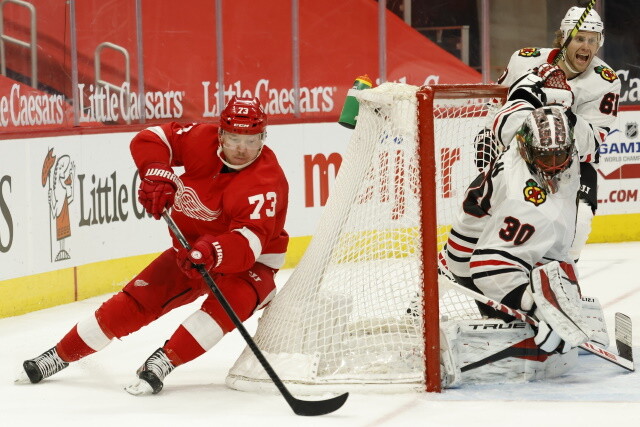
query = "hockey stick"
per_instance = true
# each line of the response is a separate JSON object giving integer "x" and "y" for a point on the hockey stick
{"x": 300, "y": 407}
{"x": 623, "y": 334}
{"x": 573, "y": 32}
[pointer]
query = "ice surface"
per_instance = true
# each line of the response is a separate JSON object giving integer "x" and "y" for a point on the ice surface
{"x": 90, "y": 393}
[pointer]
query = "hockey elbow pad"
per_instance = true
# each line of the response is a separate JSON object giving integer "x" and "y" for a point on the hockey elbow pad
{"x": 528, "y": 89}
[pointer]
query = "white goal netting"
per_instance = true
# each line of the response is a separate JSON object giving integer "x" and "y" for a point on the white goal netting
{"x": 350, "y": 316}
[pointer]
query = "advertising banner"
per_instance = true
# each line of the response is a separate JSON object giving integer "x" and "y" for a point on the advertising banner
{"x": 166, "y": 63}
{"x": 72, "y": 200}
{"x": 69, "y": 209}
{"x": 75, "y": 203}
{"x": 619, "y": 180}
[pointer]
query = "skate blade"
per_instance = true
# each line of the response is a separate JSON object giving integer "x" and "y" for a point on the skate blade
{"x": 139, "y": 388}
{"x": 22, "y": 378}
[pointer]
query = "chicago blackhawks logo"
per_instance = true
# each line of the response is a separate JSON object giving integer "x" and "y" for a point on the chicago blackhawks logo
{"x": 533, "y": 193}
{"x": 530, "y": 52}
{"x": 606, "y": 73}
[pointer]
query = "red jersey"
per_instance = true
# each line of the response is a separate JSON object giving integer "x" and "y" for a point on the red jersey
{"x": 245, "y": 209}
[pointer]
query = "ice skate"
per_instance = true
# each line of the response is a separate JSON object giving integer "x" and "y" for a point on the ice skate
{"x": 41, "y": 367}
{"x": 151, "y": 374}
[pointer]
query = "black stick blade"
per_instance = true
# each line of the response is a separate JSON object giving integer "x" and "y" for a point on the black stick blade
{"x": 318, "y": 407}
{"x": 623, "y": 336}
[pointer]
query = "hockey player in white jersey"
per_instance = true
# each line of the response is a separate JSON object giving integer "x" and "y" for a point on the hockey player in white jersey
{"x": 590, "y": 94}
{"x": 510, "y": 241}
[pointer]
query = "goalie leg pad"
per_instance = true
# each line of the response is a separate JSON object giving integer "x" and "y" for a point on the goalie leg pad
{"x": 557, "y": 298}
{"x": 594, "y": 317}
{"x": 449, "y": 368}
{"x": 493, "y": 351}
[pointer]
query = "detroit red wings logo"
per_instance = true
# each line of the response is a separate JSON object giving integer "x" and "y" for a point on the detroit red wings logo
{"x": 188, "y": 202}
{"x": 606, "y": 73}
{"x": 533, "y": 193}
{"x": 530, "y": 52}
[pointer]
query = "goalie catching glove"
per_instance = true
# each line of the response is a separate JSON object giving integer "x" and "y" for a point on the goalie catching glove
{"x": 554, "y": 299}
{"x": 206, "y": 251}
{"x": 544, "y": 85}
{"x": 158, "y": 189}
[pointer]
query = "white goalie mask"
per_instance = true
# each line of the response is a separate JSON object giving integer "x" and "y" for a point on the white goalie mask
{"x": 546, "y": 144}
{"x": 591, "y": 23}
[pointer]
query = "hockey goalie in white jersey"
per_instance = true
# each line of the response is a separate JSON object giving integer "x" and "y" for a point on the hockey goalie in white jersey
{"x": 510, "y": 241}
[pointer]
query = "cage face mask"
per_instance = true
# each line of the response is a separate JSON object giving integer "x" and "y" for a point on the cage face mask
{"x": 546, "y": 144}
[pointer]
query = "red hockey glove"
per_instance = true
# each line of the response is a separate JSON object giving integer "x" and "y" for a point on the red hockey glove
{"x": 552, "y": 76}
{"x": 157, "y": 189}
{"x": 555, "y": 88}
{"x": 205, "y": 251}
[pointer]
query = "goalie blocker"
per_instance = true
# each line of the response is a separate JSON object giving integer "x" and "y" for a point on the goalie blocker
{"x": 494, "y": 350}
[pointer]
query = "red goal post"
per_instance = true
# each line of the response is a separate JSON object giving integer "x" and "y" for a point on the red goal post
{"x": 362, "y": 310}
{"x": 428, "y": 113}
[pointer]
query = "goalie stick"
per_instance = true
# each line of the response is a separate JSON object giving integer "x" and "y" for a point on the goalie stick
{"x": 300, "y": 407}
{"x": 573, "y": 32}
{"x": 624, "y": 358}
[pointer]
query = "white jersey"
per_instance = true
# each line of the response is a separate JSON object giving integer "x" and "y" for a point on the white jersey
{"x": 596, "y": 93}
{"x": 509, "y": 224}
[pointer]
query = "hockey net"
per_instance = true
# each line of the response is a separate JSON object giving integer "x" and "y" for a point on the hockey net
{"x": 361, "y": 310}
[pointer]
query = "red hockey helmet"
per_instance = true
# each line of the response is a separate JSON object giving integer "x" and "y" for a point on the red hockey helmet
{"x": 243, "y": 115}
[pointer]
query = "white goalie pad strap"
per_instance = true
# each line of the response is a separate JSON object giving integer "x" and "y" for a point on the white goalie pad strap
{"x": 203, "y": 329}
{"x": 558, "y": 303}
{"x": 91, "y": 333}
{"x": 594, "y": 317}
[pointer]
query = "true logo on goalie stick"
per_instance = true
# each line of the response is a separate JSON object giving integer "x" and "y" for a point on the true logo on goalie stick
{"x": 606, "y": 73}
{"x": 530, "y": 52}
{"x": 533, "y": 193}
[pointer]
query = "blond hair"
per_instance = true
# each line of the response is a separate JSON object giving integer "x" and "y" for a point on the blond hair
{"x": 558, "y": 42}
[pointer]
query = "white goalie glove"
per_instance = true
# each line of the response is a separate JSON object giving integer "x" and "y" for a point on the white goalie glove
{"x": 555, "y": 301}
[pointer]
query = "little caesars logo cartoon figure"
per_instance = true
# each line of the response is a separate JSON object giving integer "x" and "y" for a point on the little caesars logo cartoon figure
{"x": 59, "y": 174}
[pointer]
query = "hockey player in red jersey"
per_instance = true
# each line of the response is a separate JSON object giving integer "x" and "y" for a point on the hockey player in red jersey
{"x": 230, "y": 203}
{"x": 582, "y": 83}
